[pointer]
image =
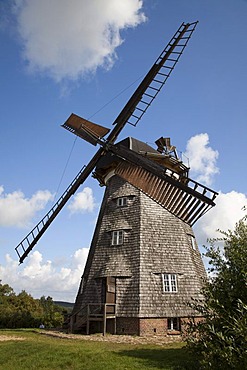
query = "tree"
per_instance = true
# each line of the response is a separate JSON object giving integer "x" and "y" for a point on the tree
{"x": 5, "y": 291}
{"x": 23, "y": 311}
{"x": 52, "y": 314}
{"x": 18, "y": 311}
{"x": 220, "y": 340}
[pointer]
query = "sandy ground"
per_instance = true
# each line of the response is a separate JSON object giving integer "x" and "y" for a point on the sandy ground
{"x": 157, "y": 340}
{"x": 9, "y": 337}
{"x": 128, "y": 339}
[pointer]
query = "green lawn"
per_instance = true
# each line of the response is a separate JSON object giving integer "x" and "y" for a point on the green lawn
{"x": 38, "y": 351}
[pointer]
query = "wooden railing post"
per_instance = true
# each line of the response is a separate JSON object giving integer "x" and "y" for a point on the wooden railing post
{"x": 104, "y": 320}
{"x": 88, "y": 321}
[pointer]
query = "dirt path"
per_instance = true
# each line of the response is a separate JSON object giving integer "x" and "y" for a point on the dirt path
{"x": 3, "y": 338}
{"x": 157, "y": 340}
{"x": 128, "y": 339}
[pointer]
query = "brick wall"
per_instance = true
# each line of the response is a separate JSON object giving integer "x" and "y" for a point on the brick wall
{"x": 185, "y": 321}
{"x": 128, "y": 325}
{"x": 148, "y": 327}
{"x": 153, "y": 326}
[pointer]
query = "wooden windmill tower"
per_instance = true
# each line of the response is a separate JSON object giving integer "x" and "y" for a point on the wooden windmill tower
{"x": 143, "y": 265}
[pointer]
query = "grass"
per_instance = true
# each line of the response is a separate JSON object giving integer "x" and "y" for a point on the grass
{"x": 42, "y": 352}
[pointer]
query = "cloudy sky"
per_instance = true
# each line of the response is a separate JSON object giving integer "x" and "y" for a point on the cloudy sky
{"x": 85, "y": 57}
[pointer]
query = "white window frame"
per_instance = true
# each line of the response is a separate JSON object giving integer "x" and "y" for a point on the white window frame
{"x": 121, "y": 201}
{"x": 117, "y": 237}
{"x": 169, "y": 282}
{"x": 173, "y": 324}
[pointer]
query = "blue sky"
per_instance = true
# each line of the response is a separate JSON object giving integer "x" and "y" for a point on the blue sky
{"x": 59, "y": 57}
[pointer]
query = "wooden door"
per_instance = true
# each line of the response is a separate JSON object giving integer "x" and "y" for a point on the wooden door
{"x": 109, "y": 292}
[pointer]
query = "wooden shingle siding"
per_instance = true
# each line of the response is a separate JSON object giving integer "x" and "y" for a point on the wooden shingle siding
{"x": 166, "y": 248}
{"x": 155, "y": 243}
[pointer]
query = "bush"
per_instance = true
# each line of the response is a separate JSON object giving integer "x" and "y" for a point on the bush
{"x": 220, "y": 340}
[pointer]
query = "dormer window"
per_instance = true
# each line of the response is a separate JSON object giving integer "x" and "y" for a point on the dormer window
{"x": 117, "y": 237}
{"x": 122, "y": 201}
{"x": 169, "y": 283}
{"x": 193, "y": 242}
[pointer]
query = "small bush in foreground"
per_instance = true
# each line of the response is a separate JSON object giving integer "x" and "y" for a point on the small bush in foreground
{"x": 220, "y": 341}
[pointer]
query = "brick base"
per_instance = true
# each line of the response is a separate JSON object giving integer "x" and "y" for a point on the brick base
{"x": 153, "y": 326}
{"x": 141, "y": 326}
{"x": 128, "y": 325}
{"x": 148, "y": 326}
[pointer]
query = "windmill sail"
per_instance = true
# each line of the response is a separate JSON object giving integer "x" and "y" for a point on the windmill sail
{"x": 131, "y": 113}
{"x": 28, "y": 243}
{"x": 162, "y": 177}
{"x": 183, "y": 201}
{"x": 156, "y": 77}
{"x": 85, "y": 129}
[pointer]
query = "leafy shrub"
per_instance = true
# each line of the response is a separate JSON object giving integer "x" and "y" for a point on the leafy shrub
{"x": 220, "y": 340}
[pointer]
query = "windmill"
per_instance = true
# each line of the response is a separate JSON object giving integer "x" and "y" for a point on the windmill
{"x": 143, "y": 262}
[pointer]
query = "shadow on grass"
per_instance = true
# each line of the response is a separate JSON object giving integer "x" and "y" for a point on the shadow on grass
{"x": 163, "y": 358}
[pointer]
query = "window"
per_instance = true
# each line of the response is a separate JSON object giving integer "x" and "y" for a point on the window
{"x": 173, "y": 323}
{"x": 117, "y": 237}
{"x": 169, "y": 283}
{"x": 193, "y": 242}
{"x": 121, "y": 202}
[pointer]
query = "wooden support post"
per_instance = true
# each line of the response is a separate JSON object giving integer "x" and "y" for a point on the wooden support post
{"x": 88, "y": 321}
{"x": 115, "y": 325}
{"x": 104, "y": 321}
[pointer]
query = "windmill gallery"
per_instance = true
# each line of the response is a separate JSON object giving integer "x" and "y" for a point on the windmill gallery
{"x": 144, "y": 264}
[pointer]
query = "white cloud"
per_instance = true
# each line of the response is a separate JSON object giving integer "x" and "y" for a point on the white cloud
{"x": 82, "y": 201}
{"x": 229, "y": 206}
{"x": 67, "y": 39}
{"x": 43, "y": 278}
{"x": 202, "y": 159}
{"x": 16, "y": 210}
{"x": 227, "y": 212}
